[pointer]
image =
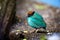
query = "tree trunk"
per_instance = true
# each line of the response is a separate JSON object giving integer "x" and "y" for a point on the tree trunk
{"x": 7, "y": 15}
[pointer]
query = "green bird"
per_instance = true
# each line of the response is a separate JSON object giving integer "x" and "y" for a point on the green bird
{"x": 35, "y": 20}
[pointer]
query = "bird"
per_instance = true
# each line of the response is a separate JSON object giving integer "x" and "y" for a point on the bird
{"x": 35, "y": 20}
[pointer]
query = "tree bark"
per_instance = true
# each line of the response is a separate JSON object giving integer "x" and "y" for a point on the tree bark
{"x": 7, "y": 15}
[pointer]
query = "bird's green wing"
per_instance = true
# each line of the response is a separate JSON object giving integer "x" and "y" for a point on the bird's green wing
{"x": 39, "y": 23}
{"x": 38, "y": 19}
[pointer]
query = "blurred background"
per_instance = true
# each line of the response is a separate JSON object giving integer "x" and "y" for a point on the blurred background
{"x": 13, "y": 14}
{"x": 49, "y": 13}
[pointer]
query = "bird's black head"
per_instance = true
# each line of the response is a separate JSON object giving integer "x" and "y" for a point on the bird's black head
{"x": 30, "y": 13}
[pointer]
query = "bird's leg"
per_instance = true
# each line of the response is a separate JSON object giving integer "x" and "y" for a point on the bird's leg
{"x": 33, "y": 31}
{"x": 40, "y": 30}
{"x": 37, "y": 30}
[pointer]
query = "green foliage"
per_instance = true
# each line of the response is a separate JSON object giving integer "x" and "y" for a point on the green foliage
{"x": 43, "y": 37}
